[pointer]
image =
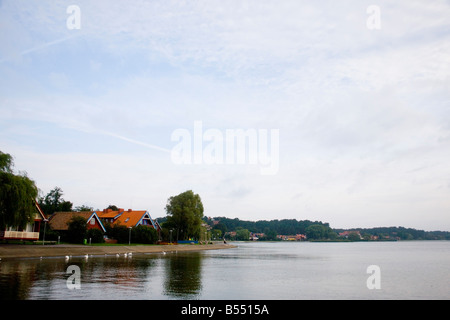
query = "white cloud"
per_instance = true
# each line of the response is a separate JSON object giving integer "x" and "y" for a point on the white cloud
{"x": 363, "y": 115}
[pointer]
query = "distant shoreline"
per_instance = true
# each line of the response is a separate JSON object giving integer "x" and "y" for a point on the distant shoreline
{"x": 17, "y": 251}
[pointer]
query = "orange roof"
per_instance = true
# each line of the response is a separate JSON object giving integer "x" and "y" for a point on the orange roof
{"x": 107, "y": 214}
{"x": 130, "y": 218}
{"x": 60, "y": 220}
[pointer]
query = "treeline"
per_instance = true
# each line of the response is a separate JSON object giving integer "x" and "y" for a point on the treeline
{"x": 317, "y": 230}
{"x": 400, "y": 233}
{"x": 285, "y": 226}
{"x": 272, "y": 228}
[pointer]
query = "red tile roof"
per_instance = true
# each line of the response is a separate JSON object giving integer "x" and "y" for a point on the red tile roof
{"x": 60, "y": 220}
{"x": 130, "y": 218}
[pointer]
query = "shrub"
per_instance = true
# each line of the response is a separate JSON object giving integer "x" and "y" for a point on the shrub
{"x": 77, "y": 230}
{"x": 95, "y": 235}
{"x": 144, "y": 234}
{"x": 119, "y": 233}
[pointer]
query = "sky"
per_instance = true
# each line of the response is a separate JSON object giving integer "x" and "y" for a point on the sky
{"x": 350, "y": 100}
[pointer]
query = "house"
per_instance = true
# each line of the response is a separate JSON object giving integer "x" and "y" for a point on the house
{"x": 345, "y": 234}
{"x": 59, "y": 221}
{"x": 297, "y": 237}
{"x": 31, "y": 230}
{"x": 128, "y": 218}
{"x": 254, "y": 236}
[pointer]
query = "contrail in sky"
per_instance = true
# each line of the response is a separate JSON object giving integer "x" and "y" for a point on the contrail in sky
{"x": 42, "y": 46}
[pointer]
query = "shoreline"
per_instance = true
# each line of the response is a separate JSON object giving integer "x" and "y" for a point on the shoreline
{"x": 17, "y": 251}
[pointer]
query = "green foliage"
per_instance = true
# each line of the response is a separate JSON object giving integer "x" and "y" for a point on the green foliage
{"x": 269, "y": 235}
{"x": 17, "y": 195}
{"x": 353, "y": 236}
{"x": 77, "y": 231}
{"x": 319, "y": 231}
{"x": 83, "y": 208}
{"x": 118, "y": 232}
{"x": 96, "y": 235}
{"x": 401, "y": 233}
{"x": 185, "y": 213}
{"x": 216, "y": 234}
{"x": 144, "y": 234}
{"x": 6, "y": 162}
{"x": 140, "y": 234}
{"x": 270, "y": 228}
{"x": 242, "y": 234}
{"x": 53, "y": 202}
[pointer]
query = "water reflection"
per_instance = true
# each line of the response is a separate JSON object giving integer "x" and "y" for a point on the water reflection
{"x": 251, "y": 271}
{"x": 183, "y": 275}
{"x": 18, "y": 277}
{"x": 175, "y": 276}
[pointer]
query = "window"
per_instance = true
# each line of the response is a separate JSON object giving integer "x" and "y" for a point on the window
{"x": 92, "y": 222}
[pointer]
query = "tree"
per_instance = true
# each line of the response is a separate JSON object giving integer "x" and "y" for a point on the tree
{"x": 242, "y": 234}
{"x": 185, "y": 213}
{"x": 53, "y": 202}
{"x": 319, "y": 231}
{"x": 269, "y": 235}
{"x": 216, "y": 234}
{"x": 17, "y": 195}
{"x": 83, "y": 208}
{"x": 77, "y": 231}
{"x": 353, "y": 236}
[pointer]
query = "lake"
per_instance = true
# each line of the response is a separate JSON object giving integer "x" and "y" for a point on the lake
{"x": 252, "y": 271}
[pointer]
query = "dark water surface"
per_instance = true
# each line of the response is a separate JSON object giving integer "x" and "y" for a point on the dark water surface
{"x": 256, "y": 270}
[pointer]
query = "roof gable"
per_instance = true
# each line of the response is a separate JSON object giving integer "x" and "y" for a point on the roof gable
{"x": 60, "y": 220}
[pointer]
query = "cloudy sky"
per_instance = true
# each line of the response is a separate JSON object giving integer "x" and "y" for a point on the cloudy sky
{"x": 90, "y": 98}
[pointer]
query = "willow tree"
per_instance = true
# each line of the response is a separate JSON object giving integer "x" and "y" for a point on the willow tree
{"x": 17, "y": 195}
{"x": 185, "y": 213}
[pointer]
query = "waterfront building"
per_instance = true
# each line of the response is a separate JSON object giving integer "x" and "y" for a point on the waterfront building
{"x": 31, "y": 230}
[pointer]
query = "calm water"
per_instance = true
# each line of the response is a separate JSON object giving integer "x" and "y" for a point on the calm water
{"x": 279, "y": 270}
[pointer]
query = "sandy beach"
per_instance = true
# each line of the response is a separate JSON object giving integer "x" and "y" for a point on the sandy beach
{"x": 10, "y": 251}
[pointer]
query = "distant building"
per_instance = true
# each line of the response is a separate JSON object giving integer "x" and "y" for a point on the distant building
{"x": 345, "y": 234}
{"x": 297, "y": 237}
{"x": 254, "y": 236}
